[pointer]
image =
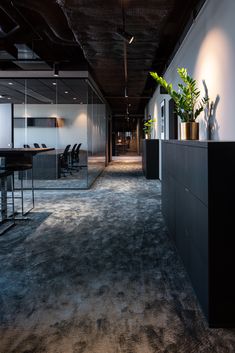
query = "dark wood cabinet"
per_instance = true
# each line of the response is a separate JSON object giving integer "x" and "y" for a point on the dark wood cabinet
{"x": 198, "y": 196}
{"x": 150, "y": 158}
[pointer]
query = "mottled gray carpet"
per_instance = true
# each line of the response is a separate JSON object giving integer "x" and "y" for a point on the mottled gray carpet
{"x": 94, "y": 271}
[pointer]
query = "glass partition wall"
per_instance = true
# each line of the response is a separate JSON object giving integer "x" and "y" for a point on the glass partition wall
{"x": 96, "y": 132}
{"x": 64, "y": 114}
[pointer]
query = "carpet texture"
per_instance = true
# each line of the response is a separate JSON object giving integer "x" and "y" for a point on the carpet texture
{"x": 94, "y": 271}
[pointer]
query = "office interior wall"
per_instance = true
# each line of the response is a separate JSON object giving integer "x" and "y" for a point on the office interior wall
{"x": 73, "y": 127}
{"x": 6, "y": 128}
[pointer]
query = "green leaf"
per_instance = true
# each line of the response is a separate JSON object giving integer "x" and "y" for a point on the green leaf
{"x": 187, "y": 104}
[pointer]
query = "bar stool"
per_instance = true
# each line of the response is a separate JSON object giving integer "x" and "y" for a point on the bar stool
{"x": 7, "y": 218}
{"x": 21, "y": 168}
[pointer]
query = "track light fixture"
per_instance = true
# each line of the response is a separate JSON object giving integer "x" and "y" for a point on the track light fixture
{"x": 125, "y": 92}
{"x": 125, "y": 35}
{"x": 56, "y": 70}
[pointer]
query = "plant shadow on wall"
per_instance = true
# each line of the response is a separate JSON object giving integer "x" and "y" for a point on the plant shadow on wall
{"x": 210, "y": 123}
{"x": 188, "y": 104}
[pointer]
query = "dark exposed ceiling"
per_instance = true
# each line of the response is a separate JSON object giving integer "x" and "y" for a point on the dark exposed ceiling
{"x": 81, "y": 34}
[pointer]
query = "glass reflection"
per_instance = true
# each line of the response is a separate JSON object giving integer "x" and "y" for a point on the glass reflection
{"x": 96, "y": 135}
{"x": 63, "y": 114}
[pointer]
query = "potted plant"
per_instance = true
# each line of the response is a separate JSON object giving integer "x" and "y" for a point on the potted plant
{"x": 188, "y": 104}
{"x": 148, "y": 127}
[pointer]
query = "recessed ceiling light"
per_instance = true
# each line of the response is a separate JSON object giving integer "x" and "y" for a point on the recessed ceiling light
{"x": 74, "y": 98}
{"x": 9, "y": 98}
{"x": 10, "y": 83}
{"x": 66, "y": 92}
{"x": 1, "y": 96}
{"x": 54, "y": 83}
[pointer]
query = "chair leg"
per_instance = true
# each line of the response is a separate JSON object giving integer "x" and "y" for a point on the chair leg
{"x": 32, "y": 188}
{"x": 13, "y": 197}
{"x": 22, "y": 194}
{"x": 7, "y": 219}
{"x": 23, "y": 212}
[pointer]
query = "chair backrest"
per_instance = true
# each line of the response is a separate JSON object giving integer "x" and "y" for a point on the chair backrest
{"x": 65, "y": 153}
{"x": 26, "y": 146}
{"x": 76, "y": 153}
{"x": 74, "y": 146}
{"x": 36, "y": 145}
{"x": 78, "y": 148}
{"x": 43, "y": 145}
{"x": 73, "y": 150}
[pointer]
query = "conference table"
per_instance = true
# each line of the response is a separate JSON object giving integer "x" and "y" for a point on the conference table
{"x": 21, "y": 155}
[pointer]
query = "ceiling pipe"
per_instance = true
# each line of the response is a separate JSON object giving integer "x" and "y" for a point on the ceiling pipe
{"x": 50, "y": 35}
{"x": 52, "y": 14}
{"x": 124, "y": 50}
{"x": 3, "y": 34}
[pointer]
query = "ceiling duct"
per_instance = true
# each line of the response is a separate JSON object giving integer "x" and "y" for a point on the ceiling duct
{"x": 53, "y": 16}
{"x": 7, "y": 51}
{"x": 8, "y": 25}
{"x": 29, "y": 60}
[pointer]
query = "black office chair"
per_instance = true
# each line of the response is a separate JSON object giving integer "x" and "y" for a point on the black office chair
{"x": 72, "y": 157}
{"x": 76, "y": 158}
{"x": 26, "y": 146}
{"x": 64, "y": 161}
{"x": 43, "y": 145}
{"x": 36, "y": 145}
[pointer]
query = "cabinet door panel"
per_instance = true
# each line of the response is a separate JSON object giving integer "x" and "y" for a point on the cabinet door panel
{"x": 198, "y": 273}
{"x": 169, "y": 156}
{"x": 168, "y": 202}
{"x": 197, "y": 172}
{"x": 182, "y": 223}
{"x": 180, "y": 163}
{"x": 199, "y": 228}
{"x": 198, "y": 248}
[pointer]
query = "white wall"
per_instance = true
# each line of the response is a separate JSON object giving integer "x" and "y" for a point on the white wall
{"x": 73, "y": 131}
{"x": 5, "y": 125}
{"x": 208, "y": 52}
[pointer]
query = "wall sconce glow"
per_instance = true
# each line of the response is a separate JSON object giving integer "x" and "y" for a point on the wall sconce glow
{"x": 213, "y": 62}
{"x": 81, "y": 121}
